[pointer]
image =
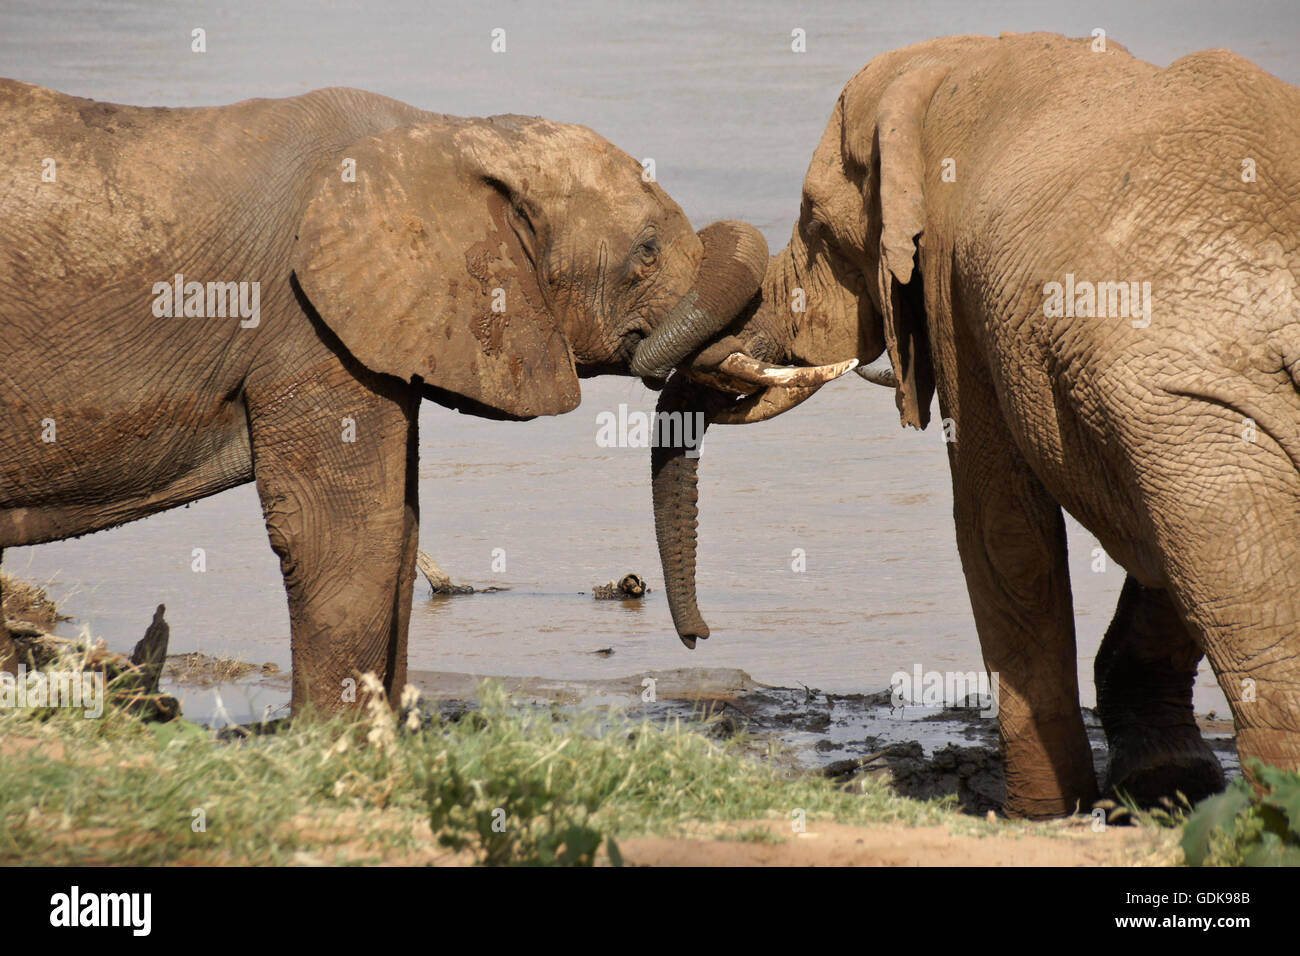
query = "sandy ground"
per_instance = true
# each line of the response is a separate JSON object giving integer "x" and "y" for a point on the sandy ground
{"x": 835, "y": 844}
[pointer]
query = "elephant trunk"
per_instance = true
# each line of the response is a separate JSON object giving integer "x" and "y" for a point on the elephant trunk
{"x": 674, "y": 482}
{"x": 734, "y": 263}
{"x": 673, "y": 479}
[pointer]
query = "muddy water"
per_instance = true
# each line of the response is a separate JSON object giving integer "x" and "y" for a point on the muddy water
{"x": 730, "y": 115}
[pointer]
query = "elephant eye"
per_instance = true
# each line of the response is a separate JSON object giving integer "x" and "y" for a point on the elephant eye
{"x": 818, "y": 228}
{"x": 648, "y": 252}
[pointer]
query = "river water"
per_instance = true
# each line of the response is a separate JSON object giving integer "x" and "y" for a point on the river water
{"x": 730, "y": 114}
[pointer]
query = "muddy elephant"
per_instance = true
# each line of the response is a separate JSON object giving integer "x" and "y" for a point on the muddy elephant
{"x": 191, "y": 299}
{"x": 1093, "y": 262}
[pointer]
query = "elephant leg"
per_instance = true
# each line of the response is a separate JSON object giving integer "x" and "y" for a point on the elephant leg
{"x": 1145, "y": 670}
{"x": 334, "y": 456}
{"x": 1011, "y": 537}
{"x": 1232, "y": 551}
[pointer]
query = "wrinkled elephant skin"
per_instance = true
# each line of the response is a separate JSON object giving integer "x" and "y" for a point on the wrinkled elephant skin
{"x": 1094, "y": 263}
{"x": 192, "y": 299}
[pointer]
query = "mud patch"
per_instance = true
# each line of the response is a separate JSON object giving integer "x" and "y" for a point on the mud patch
{"x": 972, "y": 774}
{"x": 922, "y": 752}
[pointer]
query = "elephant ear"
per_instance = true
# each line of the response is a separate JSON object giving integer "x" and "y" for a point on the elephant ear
{"x": 899, "y": 118}
{"x": 422, "y": 262}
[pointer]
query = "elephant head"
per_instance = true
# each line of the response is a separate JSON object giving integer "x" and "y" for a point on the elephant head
{"x": 494, "y": 262}
{"x": 845, "y": 290}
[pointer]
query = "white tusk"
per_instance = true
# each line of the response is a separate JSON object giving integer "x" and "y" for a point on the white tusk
{"x": 723, "y": 383}
{"x": 746, "y": 369}
{"x": 878, "y": 374}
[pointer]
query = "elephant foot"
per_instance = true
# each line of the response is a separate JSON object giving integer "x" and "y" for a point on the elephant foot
{"x": 1151, "y": 764}
{"x": 1047, "y": 808}
{"x": 1044, "y": 791}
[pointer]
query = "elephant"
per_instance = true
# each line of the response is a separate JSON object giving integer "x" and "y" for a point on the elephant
{"x": 1093, "y": 263}
{"x": 196, "y": 298}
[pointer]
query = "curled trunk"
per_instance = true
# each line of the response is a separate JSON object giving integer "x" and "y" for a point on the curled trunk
{"x": 732, "y": 381}
{"x": 735, "y": 260}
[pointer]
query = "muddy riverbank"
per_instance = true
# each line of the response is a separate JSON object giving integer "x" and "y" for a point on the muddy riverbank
{"x": 925, "y": 752}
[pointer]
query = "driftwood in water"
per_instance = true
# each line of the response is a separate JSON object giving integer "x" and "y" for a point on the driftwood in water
{"x": 440, "y": 581}
{"x": 629, "y": 586}
{"x": 132, "y": 683}
{"x": 151, "y": 653}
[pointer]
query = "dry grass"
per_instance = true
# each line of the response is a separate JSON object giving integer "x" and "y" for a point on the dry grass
{"x": 24, "y": 601}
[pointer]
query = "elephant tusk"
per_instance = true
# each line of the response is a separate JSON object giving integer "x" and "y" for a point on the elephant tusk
{"x": 878, "y": 375}
{"x": 745, "y": 369}
{"x": 764, "y": 405}
{"x": 722, "y": 383}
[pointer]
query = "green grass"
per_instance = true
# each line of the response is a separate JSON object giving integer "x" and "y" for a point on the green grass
{"x": 1245, "y": 826}
{"x": 506, "y": 783}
